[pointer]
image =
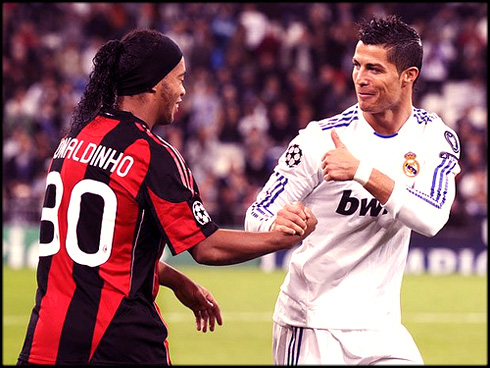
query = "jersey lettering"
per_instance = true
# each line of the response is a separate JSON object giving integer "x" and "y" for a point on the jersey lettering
{"x": 348, "y": 205}
{"x": 49, "y": 242}
{"x": 99, "y": 156}
{"x": 50, "y": 238}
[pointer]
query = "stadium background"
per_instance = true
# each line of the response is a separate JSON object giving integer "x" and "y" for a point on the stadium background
{"x": 257, "y": 73}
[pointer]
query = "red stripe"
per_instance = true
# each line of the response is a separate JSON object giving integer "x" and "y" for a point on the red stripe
{"x": 117, "y": 270}
{"x": 184, "y": 172}
{"x": 60, "y": 285}
{"x": 178, "y": 223}
{"x": 165, "y": 343}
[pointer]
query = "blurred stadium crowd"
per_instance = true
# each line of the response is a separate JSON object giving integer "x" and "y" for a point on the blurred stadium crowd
{"x": 257, "y": 73}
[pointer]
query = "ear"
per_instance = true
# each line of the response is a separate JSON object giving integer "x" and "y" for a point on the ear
{"x": 409, "y": 75}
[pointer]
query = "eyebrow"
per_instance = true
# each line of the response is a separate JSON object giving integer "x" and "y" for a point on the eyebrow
{"x": 370, "y": 65}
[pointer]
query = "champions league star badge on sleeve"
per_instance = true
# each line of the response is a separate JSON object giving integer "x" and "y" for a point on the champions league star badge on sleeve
{"x": 293, "y": 155}
{"x": 200, "y": 213}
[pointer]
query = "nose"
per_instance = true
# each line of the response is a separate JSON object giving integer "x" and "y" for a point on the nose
{"x": 359, "y": 77}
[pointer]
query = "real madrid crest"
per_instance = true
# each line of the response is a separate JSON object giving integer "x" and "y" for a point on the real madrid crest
{"x": 411, "y": 167}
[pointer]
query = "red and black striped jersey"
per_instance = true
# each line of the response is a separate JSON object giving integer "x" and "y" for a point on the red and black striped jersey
{"x": 116, "y": 194}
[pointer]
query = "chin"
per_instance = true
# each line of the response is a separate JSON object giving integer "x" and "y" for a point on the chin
{"x": 364, "y": 107}
{"x": 166, "y": 121}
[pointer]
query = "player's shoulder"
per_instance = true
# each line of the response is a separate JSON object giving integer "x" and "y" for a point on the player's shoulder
{"x": 340, "y": 121}
{"x": 159, "y": 149}
{"x": 430, "y": 120}
{"x": 437, "y": 129}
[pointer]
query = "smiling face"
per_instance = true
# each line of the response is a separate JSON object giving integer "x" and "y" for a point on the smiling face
{"x": 169, "y": 94}
{"x": 379, "y": 86}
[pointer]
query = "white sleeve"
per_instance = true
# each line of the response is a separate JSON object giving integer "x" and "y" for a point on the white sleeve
{"x": 296, "y": 174}
{"x": 425, "y": 206}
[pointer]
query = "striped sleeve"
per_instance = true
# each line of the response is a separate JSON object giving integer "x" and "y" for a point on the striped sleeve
{"x": 425, "y": 207}
{"x": 293, "y": 178}
{"x": 174, "y": 198}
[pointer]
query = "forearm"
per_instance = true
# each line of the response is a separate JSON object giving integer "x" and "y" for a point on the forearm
{"x": 226, "y": 247}
{"x": 380, "y": 186}
{"x": 414, "y": 209}
{"x": 170, "y": 277}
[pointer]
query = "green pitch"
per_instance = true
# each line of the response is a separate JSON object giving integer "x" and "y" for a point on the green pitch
{"x": 447, "y": 316}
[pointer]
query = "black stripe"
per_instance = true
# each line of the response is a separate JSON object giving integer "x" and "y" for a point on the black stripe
{"x": 89, "y": 284}
{"x": 300, "y": 337}
{"x": 83, "y": 309}
{"x": 291, "y": 342}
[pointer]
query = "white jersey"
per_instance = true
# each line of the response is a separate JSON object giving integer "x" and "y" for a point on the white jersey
{"x": 347, "y": 274}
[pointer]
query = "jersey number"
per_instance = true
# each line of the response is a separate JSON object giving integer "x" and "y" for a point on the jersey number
{"x": 49, "y": 219}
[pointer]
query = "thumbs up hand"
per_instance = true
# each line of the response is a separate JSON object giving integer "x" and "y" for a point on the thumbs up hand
{"x": 336, "y": 139}
{"x": 339, "y": 164}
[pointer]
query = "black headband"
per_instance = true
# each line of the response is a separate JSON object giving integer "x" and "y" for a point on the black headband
{"x": 154, "y": 66}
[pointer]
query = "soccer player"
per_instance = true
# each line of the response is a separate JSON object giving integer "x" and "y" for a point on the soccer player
{"x": 371, "y": 175}
{"x": 116, "y": 194}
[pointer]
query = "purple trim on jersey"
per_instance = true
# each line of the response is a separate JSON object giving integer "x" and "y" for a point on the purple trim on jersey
{"x": 439, "y": 186}
{"x": 343, "y": 119}
{"x": 422, "y": 116}
{"x": 385, "y": 136}
{"x": 271, "y": 196}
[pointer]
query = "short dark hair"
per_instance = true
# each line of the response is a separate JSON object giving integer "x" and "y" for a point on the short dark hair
{"x": 402, "y": 41}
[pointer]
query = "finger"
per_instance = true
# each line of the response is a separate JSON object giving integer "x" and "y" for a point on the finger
{"x": 300, "y": 206}
{"x": 292, "y": 211}
{"x": 212, "y": 321}
{"x": 216, "y": 313}
{"x": 288, "y": 229}
{"x": 336, "y": 140}
{"x": 308, "y": 213}
{"x": 325, "y": 169}
{"x": 198, "y": 320}
{"x": 205, "y": 320}
{"x": 326, "y": 154}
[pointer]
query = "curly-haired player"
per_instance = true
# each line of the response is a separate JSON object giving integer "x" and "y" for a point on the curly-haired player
{"x": 116, "y": 194}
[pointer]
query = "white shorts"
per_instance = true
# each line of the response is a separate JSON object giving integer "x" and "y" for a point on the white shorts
{"x": 302, "y": 346}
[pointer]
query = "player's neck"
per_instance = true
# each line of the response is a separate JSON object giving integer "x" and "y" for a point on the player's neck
{"x": 137, "y": 106}
{"x": 389, "y": 121}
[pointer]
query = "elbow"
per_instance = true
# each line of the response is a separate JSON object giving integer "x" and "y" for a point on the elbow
{"x": 428, "y": 227}
{"x": 203, "y": 258}
{"x": 207, "y": 256}
{"x": 426, "y": 231}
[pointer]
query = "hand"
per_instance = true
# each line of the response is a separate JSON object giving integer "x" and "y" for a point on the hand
{"x": 339, "y": 164}
{"x": 293, "y": 219}
{"x": 202, "y": 303}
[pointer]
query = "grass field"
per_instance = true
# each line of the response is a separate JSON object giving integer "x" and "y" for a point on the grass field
{"x": 447, "y": 316}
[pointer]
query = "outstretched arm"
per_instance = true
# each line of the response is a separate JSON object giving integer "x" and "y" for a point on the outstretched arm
{"x": 226, "y": 247}
{"x": 192, "y": 295}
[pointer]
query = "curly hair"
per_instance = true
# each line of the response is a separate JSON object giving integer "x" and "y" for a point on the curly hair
{"x": 402, "y": 41}
{"x": 100, "y": 91}
{"x": 118, "y": 61}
